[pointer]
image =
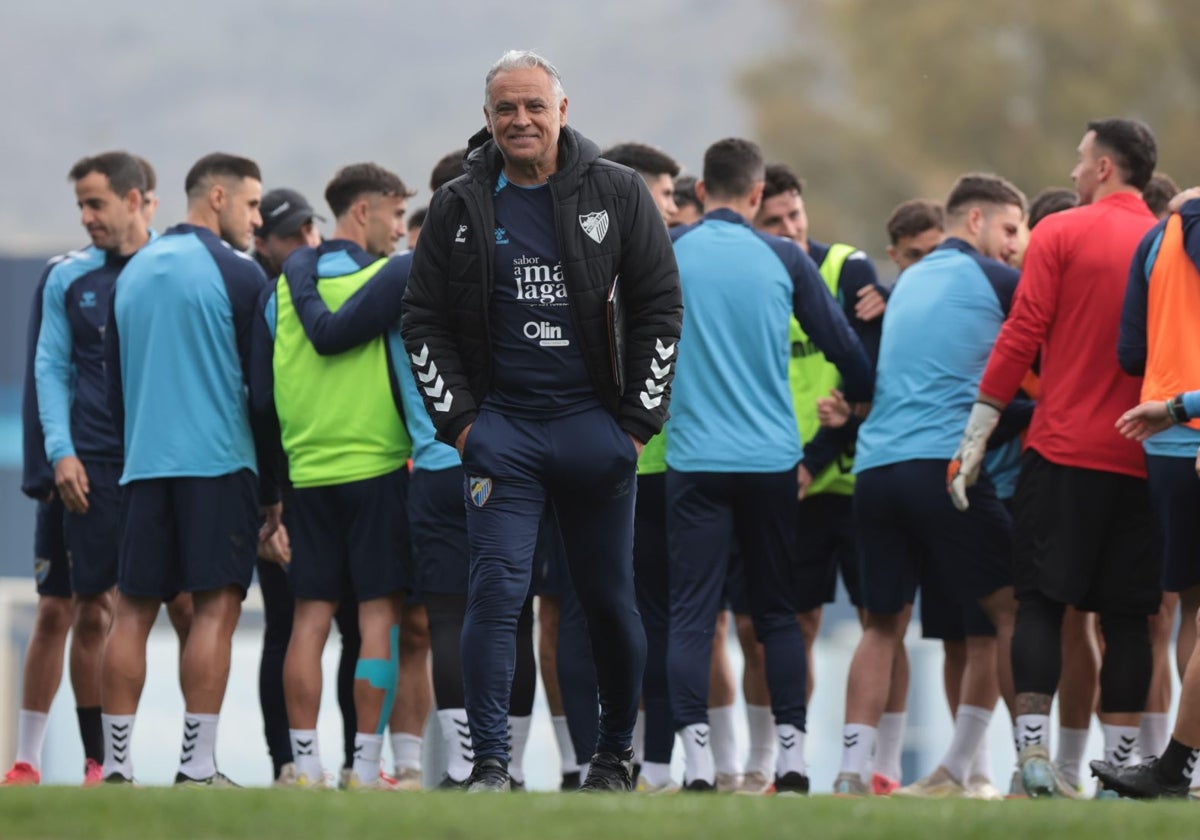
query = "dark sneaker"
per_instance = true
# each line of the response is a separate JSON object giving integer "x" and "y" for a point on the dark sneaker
{"x": 793, "y": 784}
{"x": 570, "y": 781}
{"x": 117, "y": 779}
{"x": 489, "y": 775}
{"x": 515, "y": 786}
{"x": 699, "y": 786}
{"x": 448, "y": 783}
{"x": 609, "y": 772}
{"x": 1138, "y": 781}
{"x": 216, "y": 780}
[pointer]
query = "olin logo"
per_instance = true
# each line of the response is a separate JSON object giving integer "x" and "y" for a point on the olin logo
{"x": 546, "y": 334}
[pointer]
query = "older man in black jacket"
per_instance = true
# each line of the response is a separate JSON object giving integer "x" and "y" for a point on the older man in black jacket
{"x": 541, "y": 318}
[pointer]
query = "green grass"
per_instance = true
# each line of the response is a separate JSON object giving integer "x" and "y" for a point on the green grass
{"x": 27, "y": 813}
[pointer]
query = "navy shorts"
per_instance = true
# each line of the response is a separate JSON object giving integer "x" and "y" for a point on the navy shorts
{"x": 437, "y": 517}
{"x": 1085, "y": 538}
{"x": 351, "y": 540}
{"x": 947, "y": 618}
{"x": 188, "y": 535}
{"x": 826, "y": 545}
{"x": 94, "y": 538}
{"x": 1175, "y": 494}
{"x": 51, "y": 568}
{"x": 905, "y": 519}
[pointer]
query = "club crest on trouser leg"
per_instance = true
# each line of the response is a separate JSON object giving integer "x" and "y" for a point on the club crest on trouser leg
{"x": 480, "y": 489}
{"x": 41, "y": 569}
{"x": 595, "y": 225}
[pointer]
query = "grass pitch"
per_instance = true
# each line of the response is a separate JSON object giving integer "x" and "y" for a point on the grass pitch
{"x": 125, "y": 814}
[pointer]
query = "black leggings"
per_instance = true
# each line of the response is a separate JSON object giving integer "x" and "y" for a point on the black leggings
{"x": 1037, "y": 654}
{"x": 446, "y": 614}
{"x": 278, "y": 606}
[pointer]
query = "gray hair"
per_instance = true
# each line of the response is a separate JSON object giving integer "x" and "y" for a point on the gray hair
{"x": 522, "y": 60}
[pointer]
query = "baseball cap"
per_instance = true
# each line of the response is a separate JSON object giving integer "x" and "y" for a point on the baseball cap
{"x": 284, "y": 212}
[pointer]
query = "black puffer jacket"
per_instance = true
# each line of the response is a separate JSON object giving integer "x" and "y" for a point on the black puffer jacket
{"x": 608, "y": 227}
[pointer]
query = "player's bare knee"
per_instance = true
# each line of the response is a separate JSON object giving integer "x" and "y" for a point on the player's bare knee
{"x": 414, "y": 632}
{"x": 92, "y": 619}
{"x": 53, "y": 616}
{"x": 888, "y": 625}
{"x": 180, "y": 611}
{"x": 744, "y": 625}
{"x": 1001, "y": 608}
{"x": 1189, "y": 602}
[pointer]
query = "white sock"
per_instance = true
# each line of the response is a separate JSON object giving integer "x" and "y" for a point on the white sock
{"x": 889, "y": 743}
{"x": 31, "y": 735}
{"x": 406, "y": 751}
{"x": 583, "y": 771}
{"x": 1072, "y": 744}
{"x": 1153, "y": 734}
{"x": 724, "y": 740}
{"x": 763, "y": 745}
{"x": 1032, "y": 730}
{"x": 198, "y": 753}
{"x": 118, "y": 737}
{"x": 791, "y": 750}
{"x": 566, "y": 747}
{"x": 639, "y": 738}
{"x": 981, "y": 762}
{"x": 518, "y": 737}
{"x": 456, "y": 738}
{"x": 1119, "y": 744}
{"x": 698, "y": 762}
{"x": 306, "y": 752}
{"x": 858, "y": 746}
{"x": 368, "y": 750}
{"x": 656, "y": 774}
{"x": 970, "y": 728}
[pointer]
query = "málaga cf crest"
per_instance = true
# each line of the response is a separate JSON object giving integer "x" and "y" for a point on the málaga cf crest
{"x": 480, "y": 488}
{"x": 595, "y": 225}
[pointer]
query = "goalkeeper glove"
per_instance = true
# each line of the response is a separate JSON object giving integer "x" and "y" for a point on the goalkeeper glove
{"x": 963, "y": 470}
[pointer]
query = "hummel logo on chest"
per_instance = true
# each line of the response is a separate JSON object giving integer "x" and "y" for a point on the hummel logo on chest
{"x": 461, "y": 236}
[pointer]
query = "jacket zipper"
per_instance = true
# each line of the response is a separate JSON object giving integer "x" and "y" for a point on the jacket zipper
{"x": 562, "y": 254}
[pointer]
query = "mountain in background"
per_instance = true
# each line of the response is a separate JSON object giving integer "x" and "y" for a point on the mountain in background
{"x": 305, "y": 87}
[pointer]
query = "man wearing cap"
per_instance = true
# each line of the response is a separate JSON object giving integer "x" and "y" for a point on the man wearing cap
{"x": 288, "y": 224}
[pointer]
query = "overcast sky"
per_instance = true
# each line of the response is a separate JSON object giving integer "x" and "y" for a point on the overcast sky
{"x": 306, "y": 87}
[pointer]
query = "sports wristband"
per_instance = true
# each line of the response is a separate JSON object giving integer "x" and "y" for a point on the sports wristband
{"x": 1177, "y": 410}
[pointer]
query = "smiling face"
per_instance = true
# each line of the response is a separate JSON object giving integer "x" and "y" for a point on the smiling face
{"x": 784, "y": 215}
{"x": 384, "y": 222}
{"x": 999, "y": 236}
{"x": 525, "y": 115}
